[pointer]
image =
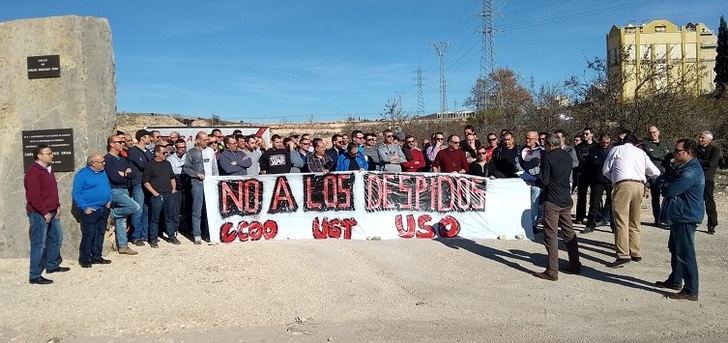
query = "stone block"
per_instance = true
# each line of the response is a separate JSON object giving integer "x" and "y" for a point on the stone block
{"x": 82, "y": 98}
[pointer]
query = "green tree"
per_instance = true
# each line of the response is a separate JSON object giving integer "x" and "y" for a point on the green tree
{"x": 721, "y": 61}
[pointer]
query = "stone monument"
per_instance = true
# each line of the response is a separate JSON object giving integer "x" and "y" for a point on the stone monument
{"x": 78, "y": 92}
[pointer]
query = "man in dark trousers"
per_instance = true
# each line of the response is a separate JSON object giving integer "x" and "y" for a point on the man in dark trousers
{"x": 159, "y": 180}
{"x": 92, "y": 195}
{"x": 43, "y": 208}
{"x": 599, "y": 212}
{"x": 660, "y": 153}
{"x": 683, "y": 209}
{"x": 554, "y": 178}
{"x": 709, "y": 155}
{"x": 582, "y": 184}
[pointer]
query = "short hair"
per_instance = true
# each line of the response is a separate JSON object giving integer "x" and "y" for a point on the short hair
{"x": 141, "y": 133}
{"x": 707, "y": 134}
{"x": 587, "y": 128}
{"x": 111, "y": 139}
{"x": 200, "y": 133}
{"x": 491, "y": 134}
{"x": 449, "y": 138}
{"x": 408, "y": 137}
{"x": 356, "y": 132}
{"x": 335, "y": 137}
{"x": 506, "y": 134}
{"x": 544, "y": 133}
{"x": 228, "y": 137}
{"x": 386, "y": 131}
{"x": 215, "y": 130}
{"x": 689, "y": 145}
{"x": 560, "y": 131}
{"x": 239, "y": 136}
{"x": 317, "y": 141}
{"x": 37, "y": 150}
{"x": 151, "y": 133}
{"x": 553, "y": 139}
{"x": 351, "y": 146}
{"x": 249, "y": 137}
{"x": 158, "y": 148}
{"x": 237, "y": 132}
{"x": 286, "y": 140}
{"x": 469, "y": 127}
{"x": 630, "y": 138}
{"x": 275, "y": 137}
{"x": 604, "y": 135}
{"x": 180, "y": 141}
{"x": 437, "y": 133}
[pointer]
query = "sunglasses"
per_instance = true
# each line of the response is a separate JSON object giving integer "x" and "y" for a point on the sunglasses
{"x": 482, "y": 153}
{"x": 492, "y": 139}
{"x": 439, "y": 138}
{"x": 410, "y": 141}
{"x": 454, "y": 142}
{"x": 389, "y": 136}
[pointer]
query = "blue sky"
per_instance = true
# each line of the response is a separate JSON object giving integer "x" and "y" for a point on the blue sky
{"x": 265, "y": 60}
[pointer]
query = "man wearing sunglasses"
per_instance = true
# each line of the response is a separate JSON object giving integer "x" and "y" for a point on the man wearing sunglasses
{"x": 390, "y": 153}
{"x": 160, "y": 181}
{"x": 452, "y": 159}
{"x": 415, "y": 157}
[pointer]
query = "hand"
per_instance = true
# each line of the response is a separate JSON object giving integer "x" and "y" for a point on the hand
{"x": 263, "y": 172}
{"x": 201, "y": 176}
{"x": 325, "y": 170}
{"x": 88, "y": 210}
{"x": 58, "y": 213}
{"x": 174, "y": 191}
{"x": 108, "y": 204}
{"x": 417, "y": 162}
{"x": 47, "y": 217}
{"x": 156, "y": 195}
{"x": 492, "y": 177}
{"x": 234, "y": 163}
{"x": 122, "y": 174}
{"x": 461, "y": 171}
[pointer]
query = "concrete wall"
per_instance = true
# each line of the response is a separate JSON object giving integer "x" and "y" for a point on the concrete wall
{"x": 83, "y": 98}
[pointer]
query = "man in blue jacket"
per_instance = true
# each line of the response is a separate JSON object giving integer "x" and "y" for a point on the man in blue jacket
{"x": 683, "y": 208}
{"x": 92, "y": 195}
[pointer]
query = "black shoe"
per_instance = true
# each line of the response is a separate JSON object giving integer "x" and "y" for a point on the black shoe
{"x": 572, "y": 269}
{"x": 175, "y": 241}
{"x": 85, "y": 264}
{"x": 139, "y": 242}
{"x": 58, "y": 270}
{"x": 100, "y": 260}
{"x": 588, "y": 229}
{"x": 636, "y": 259}
{"x": 711, "y": 230}
{"x": 40, "y": 281}
{"x": 665, "y": 284}
{"x": 154, "y": 244}
{"x": 619, "y": 263}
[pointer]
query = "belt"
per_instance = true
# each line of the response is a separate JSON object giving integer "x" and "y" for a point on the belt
{"x": 629, "y": 180}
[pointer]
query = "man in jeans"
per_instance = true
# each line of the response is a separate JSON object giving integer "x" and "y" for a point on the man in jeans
{"x": 683, "y": 208}
{"x": 122, "y": 205}
{"x": 554, "y": 178}
{"x": 159, "y": 181}
{"x": 92, "y": 194}
{"x": 200, "y": 163}
{"x": 43, "y": 208}
{"x": 139, "y": 156}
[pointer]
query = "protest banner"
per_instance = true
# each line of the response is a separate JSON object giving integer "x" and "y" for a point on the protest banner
{"x": 188, "y": 133}
{"x": 365, "y": 205}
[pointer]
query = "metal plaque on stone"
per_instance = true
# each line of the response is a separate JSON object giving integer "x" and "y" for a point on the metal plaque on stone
{"x": 59, "y": 140}
{"x": 40, "y": 67}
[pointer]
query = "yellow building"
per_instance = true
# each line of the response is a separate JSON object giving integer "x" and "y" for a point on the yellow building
{"x": 659, "y": 54}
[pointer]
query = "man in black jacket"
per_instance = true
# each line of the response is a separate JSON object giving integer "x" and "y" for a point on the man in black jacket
{"x": 599, "y": 212}
{"x": 504, "y": 157}
{"x": 554, "y": 178}
{"x": 709, "y": 155}
{"x": 277, "y": 159}
{"x": 582, "y": 184}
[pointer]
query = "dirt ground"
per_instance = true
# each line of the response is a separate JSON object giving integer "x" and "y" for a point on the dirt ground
{"x": 370, "y": 291}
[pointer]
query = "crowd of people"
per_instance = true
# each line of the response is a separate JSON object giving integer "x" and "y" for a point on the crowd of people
{"x": 146, "y": 181}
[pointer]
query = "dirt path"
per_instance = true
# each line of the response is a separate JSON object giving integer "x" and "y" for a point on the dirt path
{"x": 369, "y": 291}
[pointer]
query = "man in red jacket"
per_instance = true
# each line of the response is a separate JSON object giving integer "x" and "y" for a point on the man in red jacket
{"x": 415, "y": 157}
{"x": 43, "y": 208}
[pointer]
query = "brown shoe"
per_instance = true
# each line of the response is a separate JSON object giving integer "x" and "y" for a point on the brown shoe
{"x": 665, "y": 284}
{"x": 546, "y": 276}
{"x": 682, "y": 296}
{"x": 128, "y": 251}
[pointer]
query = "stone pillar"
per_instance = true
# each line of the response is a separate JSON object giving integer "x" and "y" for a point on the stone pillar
{"x": 82, "y": 98}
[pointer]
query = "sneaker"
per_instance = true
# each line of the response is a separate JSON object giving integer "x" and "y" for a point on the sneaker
{"x": 127, "y": 251}
{"x": 154, "y": 244}
{"x": 198, "y": 240}
{"x": 175, "y": 241}
{"x": 139, "y": 242}
{"x": 711, "y": 230}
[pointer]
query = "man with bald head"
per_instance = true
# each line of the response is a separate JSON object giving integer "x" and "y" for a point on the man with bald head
{"x": 92, "y": 195}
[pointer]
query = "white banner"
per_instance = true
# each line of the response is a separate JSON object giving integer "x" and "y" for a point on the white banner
{"x": 365, "y": 205}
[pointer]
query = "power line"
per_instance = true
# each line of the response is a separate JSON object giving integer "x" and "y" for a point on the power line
{"x": 441, "y": 48}
{"x": 420, "y": 94}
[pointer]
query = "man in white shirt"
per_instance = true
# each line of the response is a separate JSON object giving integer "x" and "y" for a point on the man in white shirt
{"x": 178, "y": 159}
{"x": 628, "y": 168}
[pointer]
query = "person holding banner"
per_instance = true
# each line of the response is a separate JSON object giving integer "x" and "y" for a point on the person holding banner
{"x": 554, "y": 178}
{"x": 353, "y": 159}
